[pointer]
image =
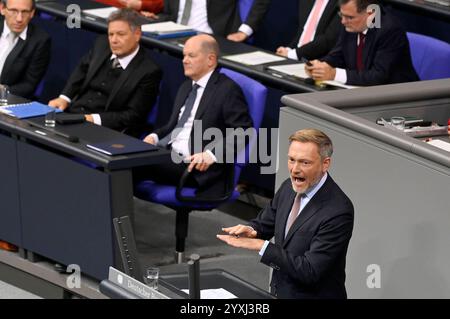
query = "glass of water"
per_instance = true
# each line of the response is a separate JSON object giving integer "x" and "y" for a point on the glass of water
{"x": 398, "y": 122}
{"x": 151, "y": 277}
{"x": 3, "y": 94}
{"x": 50, "y": 118}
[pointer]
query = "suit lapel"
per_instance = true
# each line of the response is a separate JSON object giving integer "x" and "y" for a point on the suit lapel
{"x": 351, "y": 53}
{"x": 208, "y": 93}
{"x": 368, "y": 47}
{"x": 285, "y": 214}
{"x": 96, "y": 64}
{"x": 124, "y": 76}
{"x": 313, "y": 206}
{"x": 304, "y": 11}
{"x": 15, "y": 52}
{"x": 329, "y": 10}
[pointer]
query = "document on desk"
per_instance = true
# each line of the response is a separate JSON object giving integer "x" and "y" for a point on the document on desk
{"x": 167, "y": 29}
{"x": 441, "y": 144}
{"x": 254, "y": 58}
{"x": 339, "y": 84}
{"x": 297, "y": 70}
{"x": 219, "y": 293}
{"x": 27, "y": 110}
{"x": 101, "y": 12}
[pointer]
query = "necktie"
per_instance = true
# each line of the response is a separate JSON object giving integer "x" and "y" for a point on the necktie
{"x": 186, "y": 12}
{"x": 116, "y": 63}
{"x": 187, "y": 111}
{"x": 359, "y": 52}
{"x": 313, "y": 22}
{"x": 294, "y": 213}
{"x": 10, "y": 38}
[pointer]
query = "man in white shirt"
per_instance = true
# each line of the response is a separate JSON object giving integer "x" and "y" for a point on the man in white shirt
{"x": 319, "y": 29}
{"x": 219, "y": 17}
{"x": 24, "y": 48}
{"x": 115, "y": 84}
{"x": 207, "y": 100}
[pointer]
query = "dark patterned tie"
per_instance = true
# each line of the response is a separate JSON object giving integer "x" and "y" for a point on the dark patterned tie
{"x": 188, "y": 106}
{"x": 115, "y": 63}
{"x": 359, "y": 52}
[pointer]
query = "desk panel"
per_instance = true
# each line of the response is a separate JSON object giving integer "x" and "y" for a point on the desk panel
{"x": 9, "y": 197}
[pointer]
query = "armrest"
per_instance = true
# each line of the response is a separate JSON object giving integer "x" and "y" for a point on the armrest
{"x": 204, "y": 199}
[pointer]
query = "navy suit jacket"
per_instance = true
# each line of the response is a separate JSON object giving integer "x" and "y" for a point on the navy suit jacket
{"x": 27, "y": 63}
{"x": 327, "y": 30}
{"x": 310, "y": 261}
{"x": 222, "y": 106}
{"x": 134, "y": 92}
{"x": 223, "y": 15}
{"x": 386, "y": 55}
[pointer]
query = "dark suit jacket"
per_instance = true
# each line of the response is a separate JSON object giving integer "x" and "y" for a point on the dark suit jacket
{"x": 27, "y": 63}
{"x": 326, "y": 33}
{"x": 386, "y": 55}
{"x": 310, "y": 261}
{"x": 133, "y": 94}
{"x": 223, "y": 15}
{"x": 222, "y": 106}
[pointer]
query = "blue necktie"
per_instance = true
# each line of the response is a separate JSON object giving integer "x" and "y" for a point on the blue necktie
{"x": 188, "y": 106}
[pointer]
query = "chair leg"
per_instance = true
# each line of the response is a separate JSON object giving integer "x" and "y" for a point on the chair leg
{"x": 181, "y": 230}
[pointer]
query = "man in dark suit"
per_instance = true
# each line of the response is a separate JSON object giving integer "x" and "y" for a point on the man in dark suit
{"x": 24, "y": 48}
{"x": 372, "y": 49}
{"x": 319, "y": 29}
{"x": 220, "y": 17}
{"x": 312, "y": 222}
{"x": 115, "y": 84}
{"x": 207, "y": 102}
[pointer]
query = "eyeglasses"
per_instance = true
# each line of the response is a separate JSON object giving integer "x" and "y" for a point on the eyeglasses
{"x": 346, "y": 17}
{"x": 15, "y": 12}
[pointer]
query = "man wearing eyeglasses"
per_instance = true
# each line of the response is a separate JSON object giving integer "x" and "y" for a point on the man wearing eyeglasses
{"x": 24, "y": 48}
{"x": 372, "y": 48}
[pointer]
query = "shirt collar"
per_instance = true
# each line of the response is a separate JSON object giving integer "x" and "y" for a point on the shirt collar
{"x": 7, "y": 30}
{"x": 316, "y": 188}
{"x": 126, "y": 60}
{"x": 204, "y": 80}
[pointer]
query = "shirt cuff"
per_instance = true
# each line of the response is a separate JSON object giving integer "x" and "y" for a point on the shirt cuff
{"x": 246, "y": 29}
{"x": 97, "y": 119}
{"x": 212, "y": 155}
{"x": 65, "y": 98}
{"x": 341, "y": 75}
{"x": 292, "y": 54}
{"x": 263, "y": 249}
{"x": 155, "y": 137}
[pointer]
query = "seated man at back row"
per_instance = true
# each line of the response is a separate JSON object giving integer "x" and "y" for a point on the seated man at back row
{"x": 218, "y": 17}
{"x": 115, "y": 84}
{"x": 208, "y": 100}
{"x": 24, "y": 48}
{"x": 372, "y": 49}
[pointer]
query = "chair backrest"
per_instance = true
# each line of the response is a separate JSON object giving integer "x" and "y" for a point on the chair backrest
{"x": 430, "y": 56}
{"x": 255, "y": 94}
{"x": 244, "y": 8}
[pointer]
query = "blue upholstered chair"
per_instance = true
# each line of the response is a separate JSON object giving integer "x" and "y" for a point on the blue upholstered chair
{"x": 430, "y": 56}
{"x": 244, "y": 8}
{"x": 183, "y": 199}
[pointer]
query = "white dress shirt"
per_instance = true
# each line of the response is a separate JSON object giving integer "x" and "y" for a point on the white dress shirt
{"x": 198, "y": 18}
{"x": 124, "y": 62}
{"x": 5, "y": 49}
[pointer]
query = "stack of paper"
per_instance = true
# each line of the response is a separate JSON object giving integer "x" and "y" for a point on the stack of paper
{"x": 441, "y": 144}
{"x": 101, "y": 12}
{"x": 254, "y": 58}
{"x": 167, "y": 29}
{"x": 296, "y": 70}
